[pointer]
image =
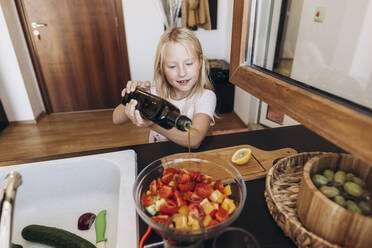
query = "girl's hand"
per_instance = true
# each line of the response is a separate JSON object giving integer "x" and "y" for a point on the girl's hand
{"x": 132, "y": 85}
{"x": 123, "y": 113}
{"x": 135, "y": 116}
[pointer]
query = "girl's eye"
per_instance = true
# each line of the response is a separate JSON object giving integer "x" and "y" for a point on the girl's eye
{"x": 171, "y": 66}
{"x": 191, "y": 63}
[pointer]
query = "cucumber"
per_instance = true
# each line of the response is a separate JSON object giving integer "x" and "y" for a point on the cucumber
{"x": 16, "y": 246}
{"x": 55, "y": 237}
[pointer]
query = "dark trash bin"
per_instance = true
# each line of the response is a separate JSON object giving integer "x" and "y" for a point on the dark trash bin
{"x": 3, "y": 119}
{"x": 224, "y": 89}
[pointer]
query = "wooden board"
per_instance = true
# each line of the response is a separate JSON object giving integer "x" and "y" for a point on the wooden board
{"x": 257, "y": 166}
{"x": 260, "y": 162}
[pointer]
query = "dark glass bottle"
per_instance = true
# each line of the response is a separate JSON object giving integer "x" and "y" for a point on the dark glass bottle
{"x": 158, "y": 110}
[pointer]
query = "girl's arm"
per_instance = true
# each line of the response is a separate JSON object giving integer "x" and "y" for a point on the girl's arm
{"x": 119, "y": 116}
{"x": 200, "y": 126}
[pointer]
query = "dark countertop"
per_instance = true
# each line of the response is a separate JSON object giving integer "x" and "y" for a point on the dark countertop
{"x": 255, "y": 217}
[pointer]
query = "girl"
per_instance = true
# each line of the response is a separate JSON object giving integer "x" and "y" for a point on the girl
{"x": 180, "y": 77}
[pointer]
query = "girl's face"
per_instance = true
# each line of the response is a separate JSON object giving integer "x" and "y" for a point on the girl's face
{"x": 181, "y": 67}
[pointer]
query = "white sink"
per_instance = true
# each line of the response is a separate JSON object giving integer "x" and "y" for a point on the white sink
{"x": 56, "y": 192}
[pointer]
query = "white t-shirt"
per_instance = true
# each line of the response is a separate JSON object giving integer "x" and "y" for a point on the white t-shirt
{"x": 204, "y": 103}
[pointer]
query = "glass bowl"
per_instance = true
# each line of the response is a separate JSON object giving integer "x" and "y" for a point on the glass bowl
{"x": 212, "y": 166}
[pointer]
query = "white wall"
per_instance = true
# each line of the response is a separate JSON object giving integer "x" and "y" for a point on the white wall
{"x": 18, "y": 87}
{"x": 19, "y": 91}
{"x": 335, "y": 55}
{"x": 143, "y": 35}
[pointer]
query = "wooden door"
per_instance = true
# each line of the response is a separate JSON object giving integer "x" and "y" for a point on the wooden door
{"x": 79, "y": 51}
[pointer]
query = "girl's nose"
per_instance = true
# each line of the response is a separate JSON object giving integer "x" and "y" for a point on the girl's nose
{"x": 181, "y": 71}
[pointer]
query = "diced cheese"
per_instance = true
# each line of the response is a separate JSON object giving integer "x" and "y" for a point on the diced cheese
{"x": 183, "y": 210}
{"x": 216, "y": 196}
{"x": 171, "y": 183}
{"x": 180, "y": 221}
{"x": 158, "y": 203}
{"x": 193, "y": 223}
{"x": 228, "y": 190}
{"x": 207, "y": 219}
{"x": 228, "y": 205}
{"x": 207, "y": 206}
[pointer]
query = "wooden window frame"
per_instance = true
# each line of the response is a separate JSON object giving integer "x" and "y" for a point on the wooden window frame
{"x": 349, "y": 128}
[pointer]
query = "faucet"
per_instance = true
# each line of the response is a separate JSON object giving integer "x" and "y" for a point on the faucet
{"x": 7, "y": 196}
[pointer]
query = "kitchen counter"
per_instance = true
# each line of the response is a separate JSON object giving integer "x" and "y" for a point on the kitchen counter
{"x": 255, "y": 216}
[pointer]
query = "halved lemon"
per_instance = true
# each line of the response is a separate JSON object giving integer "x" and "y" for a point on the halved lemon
{"x": 241, "y": 156}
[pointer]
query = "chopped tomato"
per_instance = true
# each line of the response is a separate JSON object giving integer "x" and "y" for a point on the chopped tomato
{"x": 167, "y": 178}
{"x": 194, "y": 174}
{"x": 219, "y": 185}
{"x": 197, "y": 211}
{"x": 166, "y": 192}
{"x": 160, "y": 183}
{"x": 147, "y": 200}
{"x": 187, "y": 187}
{"x": 213, "y": 213}
{"x": 179, "y": 200}
{"x": 176, "y": 178}
{"x": 170, "y": 171}
{"x": 221, "y": 214}
{"x": 207, "y": 180}
{"x": 154, "y": 187}
{"x": 184, "y": 171}
{"x": 184, "y": 178}
{"x": 182, "y": 191}
{"x": 203, "y": 190}
{"x": 168, "y": 208}
{"x": 200, "y": 178}
{"x": 212, "y": 222}
{"x": 192, "y": 197}
{"x": 162, "y": 219}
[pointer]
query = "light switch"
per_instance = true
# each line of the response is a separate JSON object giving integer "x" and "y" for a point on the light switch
{"x": 319, "y": 14}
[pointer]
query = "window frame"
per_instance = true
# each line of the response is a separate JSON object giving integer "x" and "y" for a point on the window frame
{"x": 347, "y": 127}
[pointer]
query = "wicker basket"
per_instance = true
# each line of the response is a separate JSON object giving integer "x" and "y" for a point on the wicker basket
{"x": 282, "y": 187}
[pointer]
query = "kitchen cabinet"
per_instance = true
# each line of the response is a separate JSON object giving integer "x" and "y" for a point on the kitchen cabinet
{"x": 335, "y": 119}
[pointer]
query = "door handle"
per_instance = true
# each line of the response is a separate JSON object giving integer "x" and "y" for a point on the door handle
{"x": 37, "y": 25}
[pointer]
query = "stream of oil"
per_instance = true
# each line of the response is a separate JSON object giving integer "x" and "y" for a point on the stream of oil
{"x": 188, "y": 129}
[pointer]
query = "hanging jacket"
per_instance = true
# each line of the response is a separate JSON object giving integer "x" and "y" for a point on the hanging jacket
{"x": 195, "y": 13}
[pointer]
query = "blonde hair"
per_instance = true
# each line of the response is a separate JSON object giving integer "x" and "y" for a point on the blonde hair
{"x": 180, "y": 35}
